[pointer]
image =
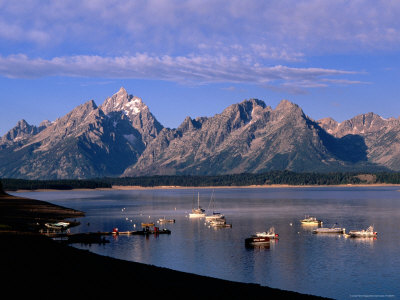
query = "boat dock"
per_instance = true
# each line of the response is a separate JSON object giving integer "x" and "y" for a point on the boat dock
{"x": 98, "y": 237}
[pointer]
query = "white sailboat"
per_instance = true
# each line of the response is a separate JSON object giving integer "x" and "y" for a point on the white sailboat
{"x": 216, "y": 216}
{"x": 197, "y": 212}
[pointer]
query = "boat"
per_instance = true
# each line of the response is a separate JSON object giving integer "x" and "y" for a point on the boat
{"x": 58, "y": 225}
{"x": 220, "y": 223}
{"x": 147, "y": 224}
{"x": 330, "y": 230}
{"x": 310, "y": 221}
{"x": 147, "y": 231}
{"x": 270, "y": 233}
{"x": 257, "y": 240}
{"x": 144, "y": 231}
{"x": 197, "y": 212}
{"x": 369, "y": 232}
{"x": 215, "y": 215}
{"x": 164, "y": 220}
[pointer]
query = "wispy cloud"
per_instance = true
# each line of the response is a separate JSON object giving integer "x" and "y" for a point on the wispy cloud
{"x": 181, "y": 69}
{"x": 115, "y": 27}
{"x": 194, "y": 41}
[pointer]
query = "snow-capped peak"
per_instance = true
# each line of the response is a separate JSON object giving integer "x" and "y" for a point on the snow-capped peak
{"x": 122, "y": 101}
{"x": 134, "y": 105}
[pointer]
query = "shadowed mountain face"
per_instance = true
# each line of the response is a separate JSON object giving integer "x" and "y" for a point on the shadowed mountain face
{"x": 123, "y": 138}
{"x": 381, "y": 137}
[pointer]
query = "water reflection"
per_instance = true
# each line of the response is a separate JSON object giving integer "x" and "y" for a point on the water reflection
{"x": 363, "y": 240}
{"x": 310, "y": 227}
{"x": 328, "y": 265}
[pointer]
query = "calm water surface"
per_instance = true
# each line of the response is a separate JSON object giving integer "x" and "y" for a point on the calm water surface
{"x": 324, "y": 265}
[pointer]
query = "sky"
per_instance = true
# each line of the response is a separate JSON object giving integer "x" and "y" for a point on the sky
{"x": 194, "y": 58}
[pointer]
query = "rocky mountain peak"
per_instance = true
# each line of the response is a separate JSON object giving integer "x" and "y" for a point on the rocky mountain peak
{"x": 287, "y": 110}
{"x": 361, "y": 124}
{"x": 21, "y": 131}
{"x": 22, "y": 124}
{"x": 286, "y": 105}
{"x": 123, "y": 102}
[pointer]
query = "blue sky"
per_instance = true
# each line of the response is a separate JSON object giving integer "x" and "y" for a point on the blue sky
{"x": 194, "y": 58}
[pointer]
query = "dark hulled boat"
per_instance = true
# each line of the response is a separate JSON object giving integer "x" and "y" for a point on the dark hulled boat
{"x": 257, "y": 240}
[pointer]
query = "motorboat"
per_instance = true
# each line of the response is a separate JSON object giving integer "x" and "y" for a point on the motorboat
{"x": 197, "y": 212}
{"x": 330, "y": 230}
{"x": 220, "y": 223}
{"x": 311, "y": 221}
{"x": 147, "y": 224}
{"x": 257, "y": 240}
{"x": 164, "y": 220}
{"x": 369, "y": 232}
{"x": 270, "y": 233}
{"x": 215, "y": 216}
{"x": 58, "y": 225}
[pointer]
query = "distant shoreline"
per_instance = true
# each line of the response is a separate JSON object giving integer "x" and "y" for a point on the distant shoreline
{"x": 173, "y": 187}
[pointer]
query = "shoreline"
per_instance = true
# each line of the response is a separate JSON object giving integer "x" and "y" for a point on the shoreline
{"x": 176, "y": 187}
{"x": 44, "y": 267}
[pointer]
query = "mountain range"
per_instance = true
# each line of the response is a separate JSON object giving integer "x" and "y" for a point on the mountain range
{"x": 121, "y": 137}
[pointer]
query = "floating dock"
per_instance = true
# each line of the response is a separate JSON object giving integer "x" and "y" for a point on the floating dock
{"x": 98, "y": 237}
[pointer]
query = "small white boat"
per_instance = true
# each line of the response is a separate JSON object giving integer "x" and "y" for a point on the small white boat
{"x": 330, "y": 230}
{"x": 197, "y": 212}
{"x": 310, "y": 221}
{"x": 270, "y": 234}
{"x": 369, "y": 232}
{"x": 215, "y": 216}
{"x": 221, "y": 223}
{"x": 164, "y": 220}
{"x": 59, "y": 225}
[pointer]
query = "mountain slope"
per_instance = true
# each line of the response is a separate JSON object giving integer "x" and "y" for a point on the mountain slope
{"x": 123, "y": 138}
{"x": 249, "y": 137}
{"x": 84, "y": 143}
{"x": 381, "y": 136}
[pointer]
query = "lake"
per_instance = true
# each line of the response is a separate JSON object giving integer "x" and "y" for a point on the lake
{"x": 324, "y": 265}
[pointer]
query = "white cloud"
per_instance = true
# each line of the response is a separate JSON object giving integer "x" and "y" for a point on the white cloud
{"x": 182, "y": 69}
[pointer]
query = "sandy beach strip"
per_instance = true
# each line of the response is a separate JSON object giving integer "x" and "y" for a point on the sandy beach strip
{"x": 176, "y": 187}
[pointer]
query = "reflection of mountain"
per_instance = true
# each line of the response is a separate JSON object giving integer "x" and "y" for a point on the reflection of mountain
{"x": 122, "y": 137}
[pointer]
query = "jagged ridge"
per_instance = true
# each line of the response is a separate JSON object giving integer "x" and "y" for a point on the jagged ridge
{"x": 122, "y": 138}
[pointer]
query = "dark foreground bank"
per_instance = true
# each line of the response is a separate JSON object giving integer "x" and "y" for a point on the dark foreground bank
{"x": 36, "y": 265}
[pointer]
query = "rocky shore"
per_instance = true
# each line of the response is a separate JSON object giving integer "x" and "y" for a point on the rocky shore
{"x": 36, "y": 265}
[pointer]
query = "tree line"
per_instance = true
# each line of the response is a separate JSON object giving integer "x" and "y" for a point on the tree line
{"x": 11, "y": 184}
{"x": 244, "y": 179}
